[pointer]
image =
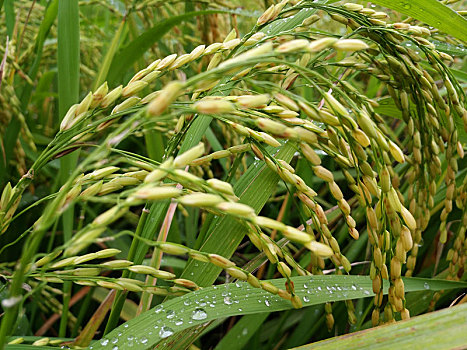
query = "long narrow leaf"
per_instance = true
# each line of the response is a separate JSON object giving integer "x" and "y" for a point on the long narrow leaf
{"x": 431, "y": 12}
{"x": 445, "y": 329}
{"x": 240, "y": 298}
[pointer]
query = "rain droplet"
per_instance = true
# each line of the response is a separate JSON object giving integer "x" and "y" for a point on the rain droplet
{"x": 115, "y": 347}
{"x": 158, "y": 309}
{"x": 114, "y": 340}
{"x": 143, "y": 340}
{"x": 179, "y": 322}
{"x": 228, "y": 301}
{"x": 104, "y": 342}
{"x": 354, "y": 287}
{"x": 170, "y": 314}
{"x": 199, "y": 314}
{"x": 165, "y": 332}
{"x": 245, "y": 331}
{"x": 267, "y": 302}
{"x": 426, "y": 285}
{"x": 187, "y": 302}
{"x": 306, "y": 299}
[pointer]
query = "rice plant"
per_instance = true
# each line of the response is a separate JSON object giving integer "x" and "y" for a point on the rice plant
{"x": 211, "y": 175}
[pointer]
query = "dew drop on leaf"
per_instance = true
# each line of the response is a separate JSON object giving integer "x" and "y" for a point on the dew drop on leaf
{"x": 228, "y": 301}
{"x": 170, "y": 314}
{"x": 165, "y": 332}
{"x": 143, "y": 340}
{"x": 158, "y": 309}
{"x": 306, "y": 299}
{"x": 426, "y": 286}
{"x": 104, "y": 342}
{"x": 199, "y": 314}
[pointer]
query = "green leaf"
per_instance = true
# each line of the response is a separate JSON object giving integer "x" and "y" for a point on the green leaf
{"x": 207, "y": 304}
{"x": 449, "y": 48}
{"x": 431, "y": 12}
{"x": 136, "y": 49}
{"x": 105, "y": 66}
{"x": 68, "y": 94}
{"x": 27, "y": 347}
{"x": 445, "y": 329}
{"x": 237, "y": 338}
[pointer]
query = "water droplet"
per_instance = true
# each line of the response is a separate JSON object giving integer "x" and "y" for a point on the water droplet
{"x": 158, "y": 309}
{"x": 143, "y": 340}
{"x": 366, "y": 292}
{"x": 104, "y": 342}
{"x": 354, "y": 287}
{"x": 267, "y": 302}
{"x": 165, "y": 332}
{"x": 228, "y": 301}
{"x": 238, "y": 285}
{"x": 187, "y": 302}
{"x": 115, "y": 347}
{"x": 420, "y": 244}
{"x": 405, "y": 5}
{"x": 306, "y": 299}
{"x": 426, "y": 285}
{"x": 125, "y": 326}
{"x": 179, "y": 322}
{"x": 199, "y": 314}
{"x": 319, "y": 288}
{"x": 244, "y": 331}
{"x": 170, "y": 314}
{"x": 114, "y": 340}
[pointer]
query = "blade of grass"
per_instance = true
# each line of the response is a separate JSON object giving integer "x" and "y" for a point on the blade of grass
{"x": 136, "y": 49}
{"x": 94, "y": 323}
{"x": 237, "y": 338}
{"x": 428, "y": 331}
{"x": 105, "y": 66}
{"x": 431, "y": 12}
{"x": 245, "y": 300}
{"x": 68, "y": 61}
{"x": 9, "y": 17}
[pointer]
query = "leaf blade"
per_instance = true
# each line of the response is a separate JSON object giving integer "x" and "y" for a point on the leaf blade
{"x": 147, "y": 328}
